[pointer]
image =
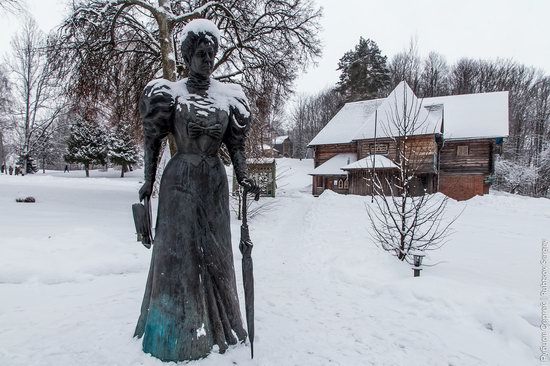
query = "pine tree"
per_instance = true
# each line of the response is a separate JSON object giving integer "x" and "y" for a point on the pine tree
{"x": 87, "y": 144}
{"x": 364, "y": 72}
{"x": 122, "y": 148}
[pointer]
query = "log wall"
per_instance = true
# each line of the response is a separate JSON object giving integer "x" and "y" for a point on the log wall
{"x": 325, "y": 152}
{"x": 479, "y": 159}
{"x": 422, "y": 150}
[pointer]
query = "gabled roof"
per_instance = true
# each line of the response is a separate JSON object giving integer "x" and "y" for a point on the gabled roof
{"x": 333, "y": 165}
{"x": 379, "y": 162}
{"x": 400, "y": 105}
{"x": 467, "y": 116}
{"x": 343, "y": 127}
{"x": 280, "y": 139}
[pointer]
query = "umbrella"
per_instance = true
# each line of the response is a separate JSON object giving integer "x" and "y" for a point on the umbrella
{"x": 245, "y": 247}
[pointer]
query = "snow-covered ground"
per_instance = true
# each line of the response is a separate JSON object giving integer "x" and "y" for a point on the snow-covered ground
{"x": 72, "y": 278}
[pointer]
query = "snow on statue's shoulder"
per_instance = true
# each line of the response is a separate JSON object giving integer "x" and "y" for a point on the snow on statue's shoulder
{"x": 224, "y": 96}
{"x": 158, "y": 86}
{"x": 201, "y": 26}
{"x": 232, "y": 93}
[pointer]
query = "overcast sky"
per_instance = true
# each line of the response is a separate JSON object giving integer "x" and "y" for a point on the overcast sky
{"x": 517, "y": 29}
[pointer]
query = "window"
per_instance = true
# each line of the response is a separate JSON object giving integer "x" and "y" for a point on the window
{"x": 340, "y": 184}
{"x": 379, "y": 148}
{"x": 462, "y": 150}
{"x": 321, "y": 182}
{"x": 335, "y": 183}
{"x": 346, "y": 184}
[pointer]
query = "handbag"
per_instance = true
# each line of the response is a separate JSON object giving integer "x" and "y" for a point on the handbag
{"x": 142, "y": 221}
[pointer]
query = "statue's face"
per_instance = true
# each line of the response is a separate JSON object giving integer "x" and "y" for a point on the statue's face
{"x": 202, "y": 61}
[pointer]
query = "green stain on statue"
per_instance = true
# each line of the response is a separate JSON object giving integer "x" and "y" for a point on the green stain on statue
{"x": 164, "y": 338}
{"x": 161, "y": 333}
{"x": 157, "y": 336}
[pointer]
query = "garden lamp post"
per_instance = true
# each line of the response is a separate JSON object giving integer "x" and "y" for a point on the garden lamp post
{"x": 417, "y": 256}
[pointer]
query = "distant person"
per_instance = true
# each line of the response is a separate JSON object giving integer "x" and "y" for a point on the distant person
{"x": 16, "y": 170}
{"x": 3, "y": 168}
{"x": 66, "y": 168}
{"x": 11, "y": 170}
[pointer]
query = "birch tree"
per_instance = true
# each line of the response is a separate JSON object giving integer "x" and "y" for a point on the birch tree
{"x": 37, "y": 101}
{"x": 6, "y": 126}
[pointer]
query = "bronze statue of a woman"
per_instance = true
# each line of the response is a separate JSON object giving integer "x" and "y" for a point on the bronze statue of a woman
{"x": 190, "y": 302}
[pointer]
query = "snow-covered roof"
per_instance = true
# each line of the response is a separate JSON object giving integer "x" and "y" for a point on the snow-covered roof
{"x": 473, "y": 115}
{"x": 379, "y": 161}
{"x": 333, "y": 165}
{"x": 280, "y": 139}
{"x": 260, "y": 160}
{"x": 343, "y": 127}
{"x": 483, "y": 115}
{"x": 391, "y": 111}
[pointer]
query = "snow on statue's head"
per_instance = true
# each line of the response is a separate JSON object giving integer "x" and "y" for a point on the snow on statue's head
{"x": 196, "y": 32}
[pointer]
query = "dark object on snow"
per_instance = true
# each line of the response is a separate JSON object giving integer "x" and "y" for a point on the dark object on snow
{"x": 142, "y": 220}
{"x": 245, "y": 246}
{"x": 29, "y": 199}
{"x": 191, "y": 302}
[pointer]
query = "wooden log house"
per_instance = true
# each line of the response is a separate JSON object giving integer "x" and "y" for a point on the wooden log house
{"x": 454, "y": 147}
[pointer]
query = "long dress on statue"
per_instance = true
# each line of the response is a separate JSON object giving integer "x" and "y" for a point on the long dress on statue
{"x": 190, "y": 301}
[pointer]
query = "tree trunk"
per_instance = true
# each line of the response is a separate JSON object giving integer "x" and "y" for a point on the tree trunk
{"x": 167, "y": 53}
{"x": 122, "y": 169}
{"x": 87, "y": 168}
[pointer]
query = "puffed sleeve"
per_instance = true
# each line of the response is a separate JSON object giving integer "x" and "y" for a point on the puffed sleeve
{"x": 156, "y": 108}
{"x": 235, "y": 137}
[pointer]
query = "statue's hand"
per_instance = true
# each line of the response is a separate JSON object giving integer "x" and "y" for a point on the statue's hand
{"x": 250, "y": 185}
{"x": 146, "y": 190}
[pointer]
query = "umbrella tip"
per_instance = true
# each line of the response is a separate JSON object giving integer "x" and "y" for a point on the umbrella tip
{"x": 251, "y": 350}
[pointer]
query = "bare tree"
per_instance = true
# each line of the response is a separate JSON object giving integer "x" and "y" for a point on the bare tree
{"x": 278, "y": 37}
{"x": 310, "y": 114}
{"x": 434, "y": 79}
{"x": 405, "y": 218}
{"x": 37, "y": 101}
{"x": 406, "y": 66}
{"x": 258, "y": 37}
{"x": 6, "y": 125}
{"x": 464, "y": 76}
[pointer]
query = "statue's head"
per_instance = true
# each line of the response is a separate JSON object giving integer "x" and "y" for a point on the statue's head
{"x": 199, "y": 46}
